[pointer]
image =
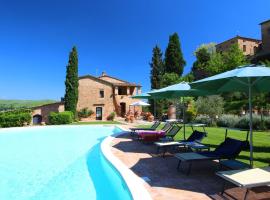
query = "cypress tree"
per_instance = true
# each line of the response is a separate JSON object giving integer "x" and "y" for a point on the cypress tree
{"x": 72, "y": 82}
{"x": 157, "y": 70}
{"x": 174, "y": 61}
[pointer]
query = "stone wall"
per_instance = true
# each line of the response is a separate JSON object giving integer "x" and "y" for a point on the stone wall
{"x": 265, "y": 31}
{"x": 89, "y": 96}
{"x": 248, "y": 46}
{"x": 45, "y": 110}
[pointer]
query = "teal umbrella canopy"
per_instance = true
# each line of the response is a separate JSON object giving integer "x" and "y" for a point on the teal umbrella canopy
{"x": 250, "y": 79}
{"x": 239, "y": 79}
{"x": 175, "y": 91}
{"x": 142, "y": 96}
{"x": 140, "y": 103}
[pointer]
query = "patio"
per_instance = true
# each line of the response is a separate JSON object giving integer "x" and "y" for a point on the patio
{"x": 163, "y": 181}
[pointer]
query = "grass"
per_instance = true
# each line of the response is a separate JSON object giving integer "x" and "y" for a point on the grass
{"x": 215, "y": 135}
{"x": 96, "y": 123}
{"x": 6, "y": 104}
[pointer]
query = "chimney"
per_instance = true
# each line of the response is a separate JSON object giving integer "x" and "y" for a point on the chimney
{"x": 103, "y": 73}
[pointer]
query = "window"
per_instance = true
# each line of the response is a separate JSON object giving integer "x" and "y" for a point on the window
{"x": 255, "y": 50}
{"x": 101, "y": 94}
{"x": 122, "y": 90}
{"x": 244, "y": 48}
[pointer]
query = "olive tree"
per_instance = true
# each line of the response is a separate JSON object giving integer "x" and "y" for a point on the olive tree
{"x": 212, "y": 106}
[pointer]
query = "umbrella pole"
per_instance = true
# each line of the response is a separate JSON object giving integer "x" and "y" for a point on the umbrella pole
{"x": 184, "y": 121}
{"x": 250, "y": 125}
{"x": 155, "y": 111}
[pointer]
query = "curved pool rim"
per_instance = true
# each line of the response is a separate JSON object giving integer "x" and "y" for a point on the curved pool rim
{"x": 134, "y": 182}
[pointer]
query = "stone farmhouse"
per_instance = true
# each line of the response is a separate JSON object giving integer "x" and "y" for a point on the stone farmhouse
{"x": 103, "y": 95}
{"x": 249, "y": 46}
{"x": 256, "y": 50}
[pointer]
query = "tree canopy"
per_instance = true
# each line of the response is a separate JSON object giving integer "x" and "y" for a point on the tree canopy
{"x": 174, "y": 61}
{"x": 157, "y": 68}
{"x": 72, "y": 82}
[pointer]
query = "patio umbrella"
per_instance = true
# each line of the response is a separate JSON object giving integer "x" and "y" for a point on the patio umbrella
{"x": 145, "y": 96}
{"x": 176, "y": 91}
{"x": 142, "y": 96}
{"x": 139, "y": 103}
{"x": 249, "y": 79}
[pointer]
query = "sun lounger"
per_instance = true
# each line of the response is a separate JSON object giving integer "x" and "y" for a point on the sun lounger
{"x": 165, "y": 128}
{"x": 171, "y": 133}
{"x": 196, "y": 136}
{"x": 153, "y": 127}
{"x": 150, "y": 136}
{"x": 153, "y": 136}
{"x": 229, "y": 149}
{"x": 247, "y": 178}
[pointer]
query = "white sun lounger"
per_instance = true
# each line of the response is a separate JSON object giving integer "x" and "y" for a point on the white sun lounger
{"x": 247, "y": 178}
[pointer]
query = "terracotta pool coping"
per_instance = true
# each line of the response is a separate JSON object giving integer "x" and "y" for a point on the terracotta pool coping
{"x": 134, "y": 183}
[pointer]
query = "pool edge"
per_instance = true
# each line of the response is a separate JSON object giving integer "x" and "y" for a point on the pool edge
{"x": 134, "y": 183}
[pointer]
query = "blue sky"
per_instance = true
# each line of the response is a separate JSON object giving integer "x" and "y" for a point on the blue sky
{"x": 113, "y": 36}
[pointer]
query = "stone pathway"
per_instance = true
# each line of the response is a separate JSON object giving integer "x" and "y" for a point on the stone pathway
{"x": 164, "y": 182}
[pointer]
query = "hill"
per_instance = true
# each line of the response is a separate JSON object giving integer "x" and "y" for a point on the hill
{"x": 7, "y": 104}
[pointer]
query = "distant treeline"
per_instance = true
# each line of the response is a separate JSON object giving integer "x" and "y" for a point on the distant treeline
{"x": 6, "y": 104}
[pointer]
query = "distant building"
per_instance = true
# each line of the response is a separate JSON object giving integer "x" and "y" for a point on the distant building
{"x": 103, "y": 95}
{"x": 41, "y": 113}
{"x": 249, "y": 46}
{"x": 263, "y": 52}
{"x": 106, "y": 94}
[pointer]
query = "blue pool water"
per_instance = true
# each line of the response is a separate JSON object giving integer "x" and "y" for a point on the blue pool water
{"x": 58, "y": 163}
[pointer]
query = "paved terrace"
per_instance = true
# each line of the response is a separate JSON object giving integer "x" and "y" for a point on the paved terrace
{"x": 164, "y": 182}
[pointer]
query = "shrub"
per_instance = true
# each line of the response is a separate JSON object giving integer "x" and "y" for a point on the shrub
{"x": 267, "y": 122}
{"x": 84, "y": 113}
{"x": 111, "y": 116}
{"x": 61, "y": 118}
{"x": 244, "y": 122}
{"x": 211, "y": 106}
{"x": 204, "y": 119}
{"x": 227, "y": 121}
{"x": 15, "y": 118}
{"x": 189, "y": 115}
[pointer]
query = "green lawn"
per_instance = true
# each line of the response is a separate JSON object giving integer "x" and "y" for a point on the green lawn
{"x": 216, "y": 135}
{"x": 96, "y": 123}
{"x": 6, "y": 104}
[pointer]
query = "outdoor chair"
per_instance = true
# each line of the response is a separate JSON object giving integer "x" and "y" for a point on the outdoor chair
{"x": 171, "y": 133}
{"x": 196, "y": 136}
{"x": 152, "y": 128}
{"x": 246, "y": 178}
{"x": 229, "y": 149}
{"x": 167, "y": 126}
{"x": 153, "y": 136}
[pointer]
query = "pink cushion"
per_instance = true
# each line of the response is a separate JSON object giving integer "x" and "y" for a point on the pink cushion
{"x": 147, "y": 133}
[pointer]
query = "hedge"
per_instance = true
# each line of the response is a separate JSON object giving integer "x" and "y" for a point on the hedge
{"x": 61, "y": 118}
{"x": 15, "y": 118}
{"x": 203, "y": 119}
{"x": 111, "y": 116}
{"x": 228, "y": 121}
{"x": 85, "y": 112}
{"x": 234, "y": 121}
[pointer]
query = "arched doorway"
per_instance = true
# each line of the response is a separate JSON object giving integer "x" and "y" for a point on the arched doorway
{"x": 37, "y": 119}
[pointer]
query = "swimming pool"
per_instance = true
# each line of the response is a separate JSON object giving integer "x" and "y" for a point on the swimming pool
{"x": 58, "y": 162}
